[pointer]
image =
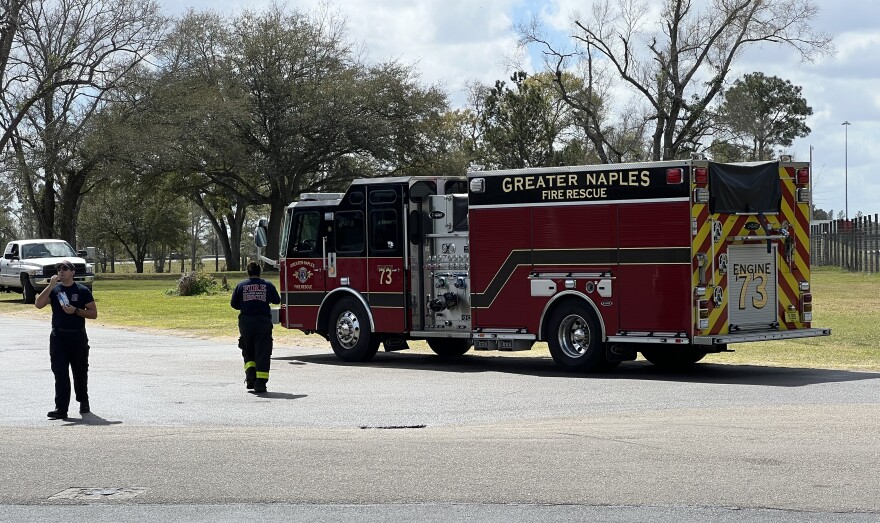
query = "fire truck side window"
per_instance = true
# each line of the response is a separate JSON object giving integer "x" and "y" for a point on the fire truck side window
{"x": 350, "y": 233}
{"x": 380, "y": 197}
{"x": 385, "y": 233}
{"x": 304, "y": 234}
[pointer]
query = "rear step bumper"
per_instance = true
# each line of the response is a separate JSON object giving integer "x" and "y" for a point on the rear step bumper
{"x": 740, "y": 337}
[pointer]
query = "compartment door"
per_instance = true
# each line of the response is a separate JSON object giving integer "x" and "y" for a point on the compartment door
{"x": 752, "y": 286}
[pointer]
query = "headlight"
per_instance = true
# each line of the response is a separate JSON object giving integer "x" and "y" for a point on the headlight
{"x": 90, "y": 268}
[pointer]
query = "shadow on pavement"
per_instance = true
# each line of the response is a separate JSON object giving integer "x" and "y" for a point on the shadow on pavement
{"x": 634, "y": 370}
{"x": 278, "y": 395}
{"x": 90, "y": 418}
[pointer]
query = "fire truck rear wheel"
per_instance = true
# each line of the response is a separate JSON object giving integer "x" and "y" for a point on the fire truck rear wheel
{"x": 673, "y": 358}
{"x": 449, "y": 347}
{"x": 574, "y": 339}
{"x": 350, "y": 334}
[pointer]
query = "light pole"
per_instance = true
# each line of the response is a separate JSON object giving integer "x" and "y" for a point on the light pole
{"x": 846, "y": 125}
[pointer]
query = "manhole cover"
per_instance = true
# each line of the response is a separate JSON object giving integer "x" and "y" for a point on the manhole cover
{"x": 98, "y": 493}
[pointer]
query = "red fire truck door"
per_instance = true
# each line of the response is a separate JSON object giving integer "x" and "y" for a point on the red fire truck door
{"x": 386, "y": 274}
{"x": 306, "y": 269}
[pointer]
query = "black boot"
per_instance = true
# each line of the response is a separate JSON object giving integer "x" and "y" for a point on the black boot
{"x": 249, "y": 376}
{"x": 259, "y": 385}
{"x": 57, "y": 414}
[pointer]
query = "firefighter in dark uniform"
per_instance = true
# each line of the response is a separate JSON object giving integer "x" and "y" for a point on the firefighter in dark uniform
{"x": 71, "y": 303}
{"x": 252, "y": 297}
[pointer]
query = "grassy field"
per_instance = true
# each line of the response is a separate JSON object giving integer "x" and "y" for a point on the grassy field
{"x": 141, "y": 301}
{"x": 847, "y": 303}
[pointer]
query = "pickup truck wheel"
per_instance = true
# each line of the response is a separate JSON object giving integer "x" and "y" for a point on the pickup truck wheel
{"x": 27, "y": 290}
{"x": 574, "y": 339}
{"x": 672, "y": 357}
{"x": 449, "y": 347}
{"x": 350, "y": 334}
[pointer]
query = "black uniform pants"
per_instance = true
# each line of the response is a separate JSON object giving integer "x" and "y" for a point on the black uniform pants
{"x": 69, "y": 350}
{"x": 256, "y": 344}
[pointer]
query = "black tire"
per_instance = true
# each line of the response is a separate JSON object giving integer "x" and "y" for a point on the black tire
{"x": 673, "y": 357}
{"x": 349, "y": 332}
{"x": 29, "y": 294}
{"x": 449, "y": 347}
{"x": 573, "y": 337}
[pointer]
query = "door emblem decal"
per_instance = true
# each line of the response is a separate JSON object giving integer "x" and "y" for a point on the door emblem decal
{"x": 303, "y": 274}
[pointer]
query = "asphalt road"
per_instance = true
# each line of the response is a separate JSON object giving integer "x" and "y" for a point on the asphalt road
{"x": 174, "y": 435}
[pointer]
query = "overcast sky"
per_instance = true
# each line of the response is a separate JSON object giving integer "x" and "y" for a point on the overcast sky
{"x": 453, "y": 42}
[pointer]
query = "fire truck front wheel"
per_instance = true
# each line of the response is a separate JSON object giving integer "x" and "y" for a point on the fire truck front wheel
{"x": 350, "y": 334}
{"x": 574, "y": 339}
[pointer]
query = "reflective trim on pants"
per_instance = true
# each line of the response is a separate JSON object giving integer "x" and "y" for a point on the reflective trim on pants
{"x": 249, "y": 364}
{"x": 262, "y": 375}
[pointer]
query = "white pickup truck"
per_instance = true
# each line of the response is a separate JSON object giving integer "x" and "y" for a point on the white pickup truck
{"x": 28, "y": 265}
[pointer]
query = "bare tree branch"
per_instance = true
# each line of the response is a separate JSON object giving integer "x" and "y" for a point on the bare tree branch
{"x": 679, "y": 66}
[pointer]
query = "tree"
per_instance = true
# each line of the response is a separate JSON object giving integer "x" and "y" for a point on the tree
{"x": 196, "y": 106}
{"x": 521, "y": 126}
{"x": 63, "y": 58}
{"x": 760, "y": 112}
{"x": 457, "y": 142}
{"x": 10, "y": 30}
{"x": 320, "y": 111}
{"x": 8, "y": 228}
{"x": 675, "y": 68}
{"x": 726, "y": 151}
{"x": 819, "y": 214}
{"x": 138, "y": 214}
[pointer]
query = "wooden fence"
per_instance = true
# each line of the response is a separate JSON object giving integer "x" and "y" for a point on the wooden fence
{"x": 853, "y": 245}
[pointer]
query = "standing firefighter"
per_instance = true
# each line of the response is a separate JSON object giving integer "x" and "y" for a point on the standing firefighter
{"x": 252, "y": 297}
{"x": 71, "y": 304}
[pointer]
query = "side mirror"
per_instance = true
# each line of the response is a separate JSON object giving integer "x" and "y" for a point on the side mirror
{"x": 261, "y": 234}
{"x": 82, "y": 253}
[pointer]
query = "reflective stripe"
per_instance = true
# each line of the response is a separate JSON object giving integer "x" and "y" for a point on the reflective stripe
{"x": 262, "y": 375}
{"x": 250, "y": 364}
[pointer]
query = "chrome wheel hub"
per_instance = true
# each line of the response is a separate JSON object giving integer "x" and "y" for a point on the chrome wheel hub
{"x": 574, "y": 336}
{"x": 348, "y": 330}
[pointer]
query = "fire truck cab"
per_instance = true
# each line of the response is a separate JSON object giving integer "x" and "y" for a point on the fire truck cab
{"x": 671, "y": 259}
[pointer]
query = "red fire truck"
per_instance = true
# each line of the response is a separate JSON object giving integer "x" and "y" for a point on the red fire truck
{"x": 671, "y": 259}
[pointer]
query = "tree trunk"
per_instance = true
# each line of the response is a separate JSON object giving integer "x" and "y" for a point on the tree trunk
{"x": 10, "y": 27}
{"x": 236, "y": 229}
{"x": 228, "y": 225}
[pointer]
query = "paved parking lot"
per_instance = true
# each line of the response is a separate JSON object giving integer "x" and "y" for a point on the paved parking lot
{"x": 172, "y": 423}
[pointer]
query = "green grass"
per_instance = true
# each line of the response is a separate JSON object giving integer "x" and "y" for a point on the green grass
{"x": 847, "y": 303}
{"x": 146, "y": 304}
{"x": 141, "y": 301}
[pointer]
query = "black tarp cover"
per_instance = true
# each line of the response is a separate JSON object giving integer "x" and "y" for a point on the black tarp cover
{"x": 744, "y": 188}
